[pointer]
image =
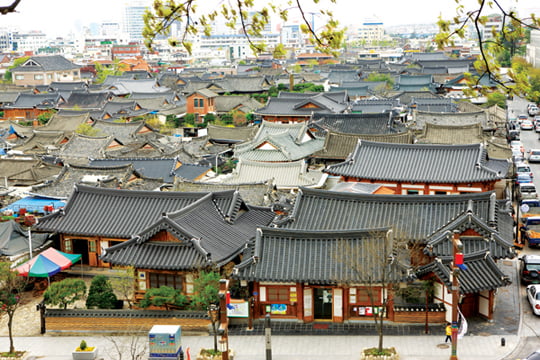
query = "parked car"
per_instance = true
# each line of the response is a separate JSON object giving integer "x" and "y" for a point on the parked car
{"x": 523, "y": 179}
{"x": 533, "y": 110}
{"x": 512, "y": 135}
{"x": 537, "y": 126}
{"x": 517, "y": 156}
{"x": 530, "y": 231}
{"x": 526, "y": 191}
{"x": 526, "y": 125}
{"x": 534, "y": 155}
{"x": 517, "y": 145}
{"x": 536, "y": 118}
{"x": 523, "y": 168}
{"x": 529, "y": 269}
{"x": 533, "y": 356}
{"x": 522, "y": 117}
{"x": 533, "y": 294}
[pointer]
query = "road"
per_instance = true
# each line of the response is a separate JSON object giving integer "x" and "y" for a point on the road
{"x": 530, "y": 324}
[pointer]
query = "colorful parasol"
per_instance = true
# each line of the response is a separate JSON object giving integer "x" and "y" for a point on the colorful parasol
{"x": 48, "y": 263}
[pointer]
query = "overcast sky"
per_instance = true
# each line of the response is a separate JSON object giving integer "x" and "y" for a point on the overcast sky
{"x": 60, "y": 17}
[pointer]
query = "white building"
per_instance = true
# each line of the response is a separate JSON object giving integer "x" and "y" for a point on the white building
{"x": 371, "y": 31}
{"x": 133, "y": 18}
{"x": 29, "y": 41}
{"x": 533, "y": 49}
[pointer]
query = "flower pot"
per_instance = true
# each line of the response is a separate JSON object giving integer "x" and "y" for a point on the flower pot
{"x": 203, "y": 355}
{"x": 393, "y": 355}
{"x": 85, "y": 355}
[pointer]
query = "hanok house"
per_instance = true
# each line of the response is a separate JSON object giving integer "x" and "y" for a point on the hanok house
{"x": 413, "y": 169}
{"x": 298, "y": 107}
{"x": 96, "y": 219}
{"x": 320, "y": 218}
{"x": 308, "y": 275}
{"x": 205, "y": 234}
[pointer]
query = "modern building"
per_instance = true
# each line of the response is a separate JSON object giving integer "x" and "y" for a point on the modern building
{"x": 133, "y": 18}
{"x": 371, "y": 31}
{"x": 533, "y": 49}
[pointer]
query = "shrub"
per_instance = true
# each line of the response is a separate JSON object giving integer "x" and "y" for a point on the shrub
{"x": 101, "y": 294}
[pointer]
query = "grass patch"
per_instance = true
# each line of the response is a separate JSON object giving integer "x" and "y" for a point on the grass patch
{"x": 14, "y": 355}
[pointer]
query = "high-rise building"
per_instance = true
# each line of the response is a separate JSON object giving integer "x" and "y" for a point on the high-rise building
{"x": 371, "y": 31}
{"x": 133, "y": 18}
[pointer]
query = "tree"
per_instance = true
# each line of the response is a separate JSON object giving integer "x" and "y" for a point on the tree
{"x": 11, "y": 288}
{"x": 8, "y": 76}
{"x": 376, "y": 263}
{"x": 65, "y": 292}
{"x": 45, "y": 117}
{"x": 491, "y": 48}
{"x": 103, "y": 71}
{"x": 189, "y": 119}
{"x": 87, "y": 129}
{"x": 206, "y": 297}
{"x": 124, "y": 282}
{"x": 496, "y": 98}
{"x": 101, "y": 294}
{"x": 163, "y": 296}
{"x": 159, "y": 18}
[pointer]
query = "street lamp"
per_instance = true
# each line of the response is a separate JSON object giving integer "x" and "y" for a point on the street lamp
{"x": 213, "y": 311}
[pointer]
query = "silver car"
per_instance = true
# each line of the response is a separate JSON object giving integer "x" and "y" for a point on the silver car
{"x": 534, "y": 155}
{"x": 533, "y": 294}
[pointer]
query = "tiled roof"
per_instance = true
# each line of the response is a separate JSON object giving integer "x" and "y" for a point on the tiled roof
{"x": 414, "y": 217}
{"x": 482, "y": 273}
{"x": 358, "y": 123}
{"x": 191, "y": 171}
{"x": 230, "y": 135}
{"x": 45, "y": 63}
{"x": 451, "y": 134}
{"x": 420, "y": 118}
{"x": 157, "y": 168}
{"x": 256, "y": 193}
{"x": 339, "y": 146}
{"x": 419, "y": 163}
{"x": 86, "y": 101}
{"x": 285, "y": 175}
{"x": 205, "y": 234}
{"x": 322, "y": 257}
{"x": 336, "y": 77}
{"x": 40, "y": 142}
{"x": 407, "y": 97}
{"x": 279, "y": 142}
{"x": 67, "y": 123}
{"x": 86, "y": 147}
{"x": 126, "y": 132}
{"x": 435, "y": 105}
{"x": 115, "y": 213}
{"x": 64, "y": 182}
{"x": 227, "y": 103}
{"x": 36, "y": 174}
{"x": 300, "y": 106}
{"x": 128, "y": 86}
{"x": 488, "y": 240}
{"x": 38, "y": 101}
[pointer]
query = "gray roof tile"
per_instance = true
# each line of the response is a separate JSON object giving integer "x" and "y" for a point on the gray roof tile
{"x": 419, "y": 163}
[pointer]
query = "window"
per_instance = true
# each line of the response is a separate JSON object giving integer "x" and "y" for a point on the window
{"x": 75, "y": 73}
{"x": 67, "y": 246}
{"x": 38, "y": 77}
{"x": 277, "y": 294}
{"x": 362, "y": 296}
{"x": 49, "y": 76}
{"x": 159, "y": 279}
{"x": 199, "y": 103}
{"x": 19, "y": 77}
{"x": 413, "y": 192}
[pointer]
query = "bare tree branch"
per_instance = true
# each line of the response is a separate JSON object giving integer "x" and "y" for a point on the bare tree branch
{"x": 10, "y": 8}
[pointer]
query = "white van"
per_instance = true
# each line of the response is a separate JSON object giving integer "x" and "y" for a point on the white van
{"x": 526, "y": 191}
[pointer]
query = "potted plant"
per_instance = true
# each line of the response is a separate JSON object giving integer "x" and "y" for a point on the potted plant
{"x": 84, "y": 352}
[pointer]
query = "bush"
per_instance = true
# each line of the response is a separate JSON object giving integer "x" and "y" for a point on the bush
{"x": 163, "y": 296}
{"x": 65, "y": 292}
{"x": 101, "y": 294}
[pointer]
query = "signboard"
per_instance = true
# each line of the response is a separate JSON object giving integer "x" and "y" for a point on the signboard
{"x": 278, "y": 309}
{"x": 238, "y": 309}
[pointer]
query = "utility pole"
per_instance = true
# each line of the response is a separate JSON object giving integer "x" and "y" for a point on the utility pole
{"x": 457, "y": 247}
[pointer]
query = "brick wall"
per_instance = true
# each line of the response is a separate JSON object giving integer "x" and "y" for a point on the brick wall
{"x": 122, "y": 321}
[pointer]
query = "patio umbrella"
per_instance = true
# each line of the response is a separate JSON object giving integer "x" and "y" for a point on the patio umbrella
{"x": 48, "y": 263}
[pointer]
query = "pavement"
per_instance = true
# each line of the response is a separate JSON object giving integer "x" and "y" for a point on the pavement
{"x": 485, "y": 340}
